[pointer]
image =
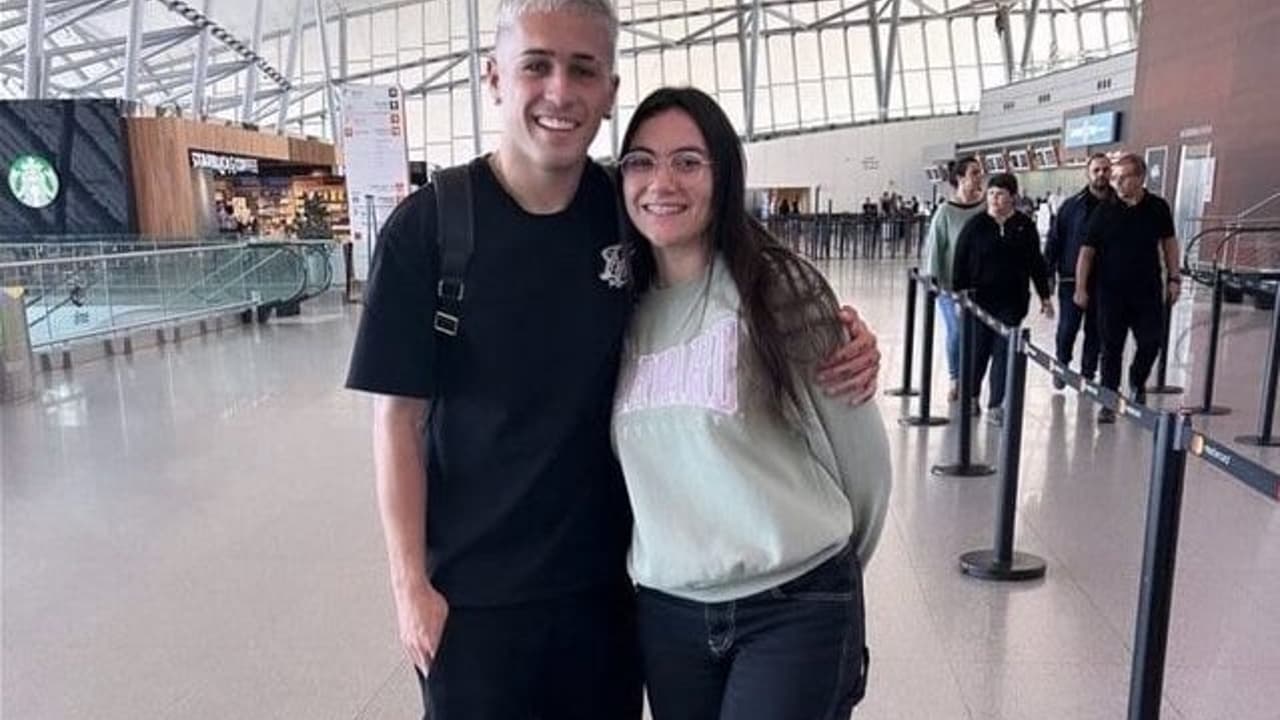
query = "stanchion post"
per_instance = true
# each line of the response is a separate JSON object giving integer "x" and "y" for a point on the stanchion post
{"x": 924, "y": 419}
{"x": 909, "y": 347}
{"x": 963, "y": 467}
{"x": 1160, "y": 549}
{"x": 1266, "y": 413}
{"x": 1002, "y": 562}
{"x": 1162, "y": 387}
{"x": 1206, "y": 406}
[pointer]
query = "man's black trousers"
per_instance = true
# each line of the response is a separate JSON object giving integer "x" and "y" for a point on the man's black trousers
{"x": 1120, "y": 313}
{"x": 573, "y": 657}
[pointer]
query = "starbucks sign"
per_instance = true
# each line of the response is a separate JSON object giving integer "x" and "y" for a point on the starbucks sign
{"x": 33, "y": 181}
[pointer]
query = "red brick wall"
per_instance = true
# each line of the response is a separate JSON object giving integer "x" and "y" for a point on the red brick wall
{"x": 1214, "y": 63}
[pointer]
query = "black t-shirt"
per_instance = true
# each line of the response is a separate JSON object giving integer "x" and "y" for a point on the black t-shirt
{"x": 525, "y": 499}
{"x": 1128, "y": 241}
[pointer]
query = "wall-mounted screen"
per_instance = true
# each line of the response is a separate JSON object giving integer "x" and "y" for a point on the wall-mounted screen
{"x": 1019, "y": 160}
{"x": 1046, "y": 157}
{"x": 1096, "y": 129}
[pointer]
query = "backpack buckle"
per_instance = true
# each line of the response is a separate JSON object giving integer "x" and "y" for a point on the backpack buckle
{"x": 446, "y": 323}
{"x": 451, "y": 289}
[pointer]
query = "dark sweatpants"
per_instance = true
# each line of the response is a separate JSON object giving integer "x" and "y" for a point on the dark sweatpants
{"x": 1119, "y": 313}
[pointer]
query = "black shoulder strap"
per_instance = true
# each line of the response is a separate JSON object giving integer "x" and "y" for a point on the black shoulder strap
{"x": 455, "y": 235}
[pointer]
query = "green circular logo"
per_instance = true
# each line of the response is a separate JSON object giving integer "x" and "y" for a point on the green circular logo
{"x": 33, "y": 181}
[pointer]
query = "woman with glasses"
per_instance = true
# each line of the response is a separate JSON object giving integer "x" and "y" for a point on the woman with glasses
{"x": 757, "y": 498}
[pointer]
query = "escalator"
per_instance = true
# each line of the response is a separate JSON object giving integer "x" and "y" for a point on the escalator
{"x": 75, "y": 291}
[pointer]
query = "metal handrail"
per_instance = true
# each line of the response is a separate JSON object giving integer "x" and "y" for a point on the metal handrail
{"x": 1193, "y": 241}
{"x": 1243, "y": 214}
{"x": 1258, "y": 205}
{"x": 117, "y": 256}
{"x": 1232, "y": 233}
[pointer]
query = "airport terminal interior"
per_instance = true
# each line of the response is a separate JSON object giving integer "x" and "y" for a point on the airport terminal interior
{"x": 192, "y": 193}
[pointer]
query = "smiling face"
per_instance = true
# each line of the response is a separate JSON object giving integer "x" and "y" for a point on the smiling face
{"x": 667, "y": 181}
{"x": 552, "y": 78}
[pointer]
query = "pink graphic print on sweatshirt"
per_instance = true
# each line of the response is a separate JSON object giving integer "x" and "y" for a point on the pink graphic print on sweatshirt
{"x": 701, "y": 373}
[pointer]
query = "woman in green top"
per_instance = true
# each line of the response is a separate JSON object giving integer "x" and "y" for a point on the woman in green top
{"x": 757, "y": 498}
{"x": 965, "y": 176}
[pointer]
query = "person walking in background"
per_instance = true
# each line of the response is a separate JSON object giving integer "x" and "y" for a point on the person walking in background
{"x": 1062, "y": 252}
{"x": 1124, "y": 246}
{"x": 965, "y": 176}
{"x": 997, "y": 257}
{"x": 758, "y": 500}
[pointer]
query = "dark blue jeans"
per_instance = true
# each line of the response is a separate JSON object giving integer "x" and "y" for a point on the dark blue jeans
{"x": 794, "y": 652}
{"x": 991, "y": 347}
{"x": 566, "y": 658}
{"x": 1070, "y": 317}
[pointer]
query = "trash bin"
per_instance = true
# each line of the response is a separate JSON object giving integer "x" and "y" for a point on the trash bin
{"x": 17, "y": 381}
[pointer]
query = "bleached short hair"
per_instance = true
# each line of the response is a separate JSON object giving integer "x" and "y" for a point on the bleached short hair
{"x": 509, "y": 11}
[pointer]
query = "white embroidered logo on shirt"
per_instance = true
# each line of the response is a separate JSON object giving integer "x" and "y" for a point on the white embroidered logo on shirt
{"x": 701, "y": 373}
{"x": 617, "y": 272}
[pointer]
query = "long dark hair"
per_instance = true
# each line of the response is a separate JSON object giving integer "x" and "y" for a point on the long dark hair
{"x": 789, "y": 310}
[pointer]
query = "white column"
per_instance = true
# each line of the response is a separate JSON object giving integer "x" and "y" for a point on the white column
{"x": 133, "y": 50}
{"x": 251, "y": 79}
{"x": 33, "y": 69}
{"x": 473, "y": 52}
{"x": 202, "y": 66}
{"x": 291, "y": 65}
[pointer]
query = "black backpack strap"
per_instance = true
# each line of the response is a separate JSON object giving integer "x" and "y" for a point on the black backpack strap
{"x": 455, "y": 235}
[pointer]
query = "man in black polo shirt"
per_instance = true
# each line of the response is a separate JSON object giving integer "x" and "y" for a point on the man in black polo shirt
{"x": 1123, "y": 247}
{"x": 503, "y": 508}
{"x": 1062, "y": 252}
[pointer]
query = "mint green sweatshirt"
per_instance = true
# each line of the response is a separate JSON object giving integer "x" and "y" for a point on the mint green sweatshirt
{"x": 944, "y": 231}
{"x": 730, "y": 499}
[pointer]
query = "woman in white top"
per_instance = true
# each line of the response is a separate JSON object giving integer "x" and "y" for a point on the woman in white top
{"x": 757, "y": 498}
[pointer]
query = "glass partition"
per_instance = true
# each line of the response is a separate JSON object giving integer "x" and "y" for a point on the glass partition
{"x": 84, "y": 289}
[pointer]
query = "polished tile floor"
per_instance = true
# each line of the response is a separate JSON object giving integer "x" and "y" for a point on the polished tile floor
{"x": 191, "y": 533}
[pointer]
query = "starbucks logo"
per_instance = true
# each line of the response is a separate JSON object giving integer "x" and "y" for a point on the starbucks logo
{"x": 33, "y": 181}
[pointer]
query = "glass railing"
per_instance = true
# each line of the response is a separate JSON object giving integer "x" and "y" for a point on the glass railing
{"x": 80, "y": 290}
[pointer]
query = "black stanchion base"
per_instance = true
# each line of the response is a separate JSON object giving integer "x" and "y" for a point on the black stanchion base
{"x": 958, "y": 470}
{"x": 902, "y": 392}
{"x": 1164, "y": 390}
{"x": 920, "y": 421}
{"x": 1200, "y": 410}
{"x": 1258, "y": 440}
{"x": 983, "y": 564}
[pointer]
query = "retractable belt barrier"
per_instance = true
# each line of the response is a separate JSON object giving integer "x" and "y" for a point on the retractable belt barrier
{"x": 909, "y": 345}
{"x": 1217, "y": 454}
{"x": 1172, "y": 439}
{"x": 922, "y": 419}
{"x": 964, "y": 467}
